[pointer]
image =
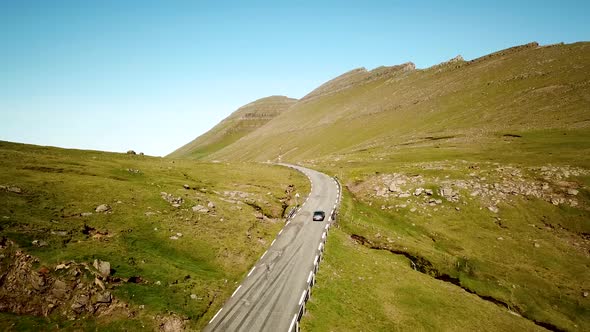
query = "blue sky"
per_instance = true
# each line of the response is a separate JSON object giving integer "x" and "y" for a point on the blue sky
{"x": 153, "y": 75}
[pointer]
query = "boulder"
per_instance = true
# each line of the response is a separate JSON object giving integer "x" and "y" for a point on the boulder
{"x": 418, "y": 191}
{"x": 172, "y": 324}
{"x": 131, "y": 152}
{"x": 211, "y": 205}
{"x": 200, "y": 209}
{"x": 493, "y": 209}
{"x": 15, "y": 190}
{"x": 186, "y": 186}
{"x": 104, "y": 297}
{"x": 446, "y": 192}
{"x": 394, "y": 188}
{"x": 104, "y": 268}
{"x": 572, "y": 192}
{"x": 103, "y": 208}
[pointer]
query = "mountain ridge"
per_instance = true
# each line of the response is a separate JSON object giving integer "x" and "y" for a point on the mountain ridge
{"x": 475, "y": 98}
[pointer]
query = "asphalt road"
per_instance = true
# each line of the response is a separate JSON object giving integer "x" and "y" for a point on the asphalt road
{"x": 275, "y": 289}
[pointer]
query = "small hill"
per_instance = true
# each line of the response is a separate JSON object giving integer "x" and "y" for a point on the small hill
{"x": 240, "y": 123}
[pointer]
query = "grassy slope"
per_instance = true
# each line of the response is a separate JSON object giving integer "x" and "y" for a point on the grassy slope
{"x": 531, "y": 89}
{"x": 241, "y": 122}
{"x": 215, "y": 250}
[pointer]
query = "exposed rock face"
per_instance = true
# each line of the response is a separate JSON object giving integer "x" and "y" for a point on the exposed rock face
{"x": 68, "y": 288}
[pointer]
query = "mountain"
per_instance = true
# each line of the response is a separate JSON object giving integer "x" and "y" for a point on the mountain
{"x": 517, "y": 89}
{"x": 465, "y": 191}
{"x": 246, "y": 119}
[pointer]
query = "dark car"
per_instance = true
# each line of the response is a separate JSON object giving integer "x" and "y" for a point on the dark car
{"x": 319, "y": 216}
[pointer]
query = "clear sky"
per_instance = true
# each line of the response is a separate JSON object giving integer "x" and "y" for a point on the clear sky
{"x": 153, "y": 75}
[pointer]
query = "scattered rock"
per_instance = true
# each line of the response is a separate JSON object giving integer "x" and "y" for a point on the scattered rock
{"x": 172, "y": 324}
{"x": 186, "y": 186}
{"x": 500, "y": 238}
{"x": 104, "y": 297}
{"x": 457, "y": 208}
{"x": 413, "y": 209}
{"x": 80, "y": 303}
{"x": 174, "y": 201}
{"x": 585, "y": 294}
{"x": 103, "y": 208}
{"x": 61, "y": 267}
{"x": 428, "y": 192}
{"x": 99, "y": 283}
{"x": 211, "y": 205}
{"x": 394, "y": 188}
{"x": 149, "y": 214}
{"x": 200, "y": 209}
{"x": 174, "y": 237}
{"x": 418, "y": 191}
{"x": 572, "y": 192}
{"x": 39, "y": 243}
{"x": 135, "y": 280}
{"x": 494, "y": 209}
{"x": 556, "y": 200}
{"x": 86, "y": 214}
{"x": 131, "y": 152}
{"x": 537, "y": 245}
{"x": 103, "y": 267}
{"x": 193, "y": 296}
{"x": 13, "y": 189}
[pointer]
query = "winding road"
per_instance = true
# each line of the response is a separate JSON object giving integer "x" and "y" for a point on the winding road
{"x": 273, "y": 294}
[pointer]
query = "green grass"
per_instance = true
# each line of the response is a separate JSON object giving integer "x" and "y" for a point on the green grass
{"x": 214, "y": 252}
{"x": 544, "y": 283}
{"x": 359, "y": 289}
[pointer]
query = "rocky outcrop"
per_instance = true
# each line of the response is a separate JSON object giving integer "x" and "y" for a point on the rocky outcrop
{"x": 492, "y": 185}
{"x": 71, "y": 289}
{"x": 506, "y": 51}
{"x": 357, "y": 77}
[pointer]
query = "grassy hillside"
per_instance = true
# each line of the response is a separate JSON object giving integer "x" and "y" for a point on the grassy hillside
{"x": 241, "y": 122}
{"x": 509, "y": 92}
{"x": 177, "y": 235}
{"x": 466, "y": 202}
